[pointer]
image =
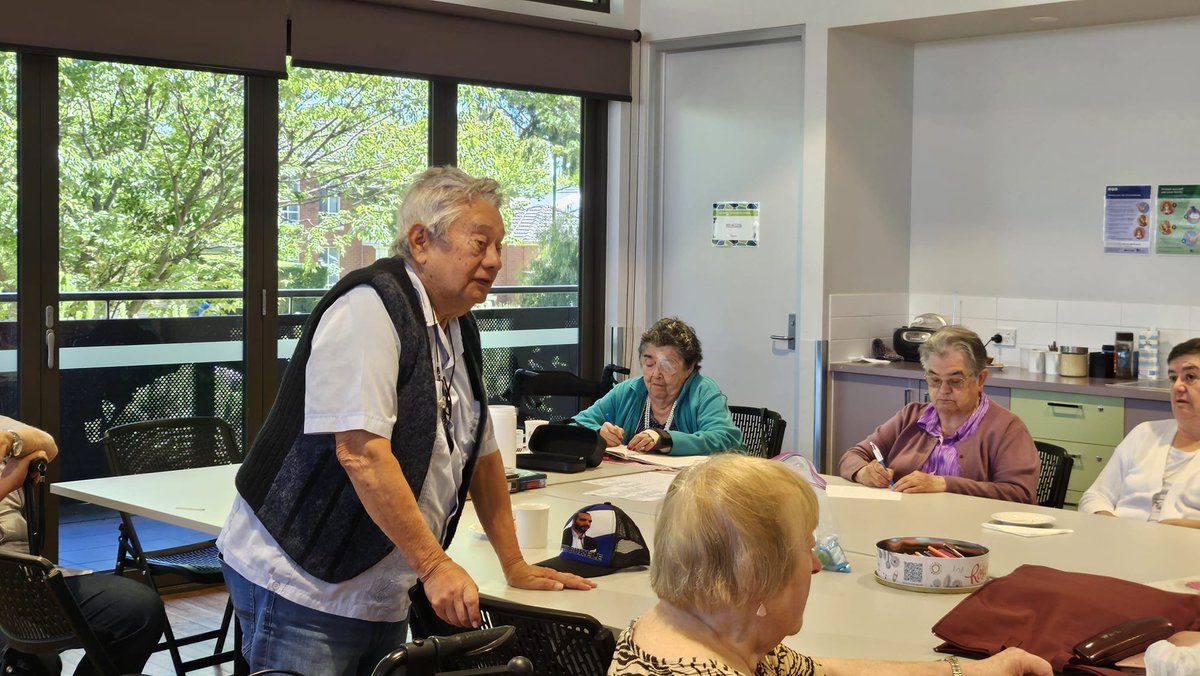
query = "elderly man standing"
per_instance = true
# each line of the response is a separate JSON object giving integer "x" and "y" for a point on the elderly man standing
{"x": 354, "y": 486}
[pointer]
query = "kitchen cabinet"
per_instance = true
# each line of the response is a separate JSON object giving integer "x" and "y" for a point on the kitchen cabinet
{"x": 1089, "y": 427}
{"x": 1138, "y": 411}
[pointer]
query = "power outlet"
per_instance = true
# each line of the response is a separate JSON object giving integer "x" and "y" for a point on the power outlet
{"x": 1008, "y": 337}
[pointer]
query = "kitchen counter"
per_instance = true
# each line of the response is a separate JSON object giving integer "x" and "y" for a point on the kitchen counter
{"x": 1012, "y": 377}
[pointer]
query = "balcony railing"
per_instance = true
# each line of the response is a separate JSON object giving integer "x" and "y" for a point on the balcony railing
{"x": 120, "y": 370}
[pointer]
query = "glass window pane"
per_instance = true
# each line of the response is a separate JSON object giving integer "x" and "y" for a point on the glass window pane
{"x": 8, "y": 235}
{"x": 530, "y": 143}
{"x": 348, "y": 146}
{"x": 151, "y": 274}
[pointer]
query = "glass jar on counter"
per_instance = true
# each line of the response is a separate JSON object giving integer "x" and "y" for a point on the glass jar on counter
{"x": 1073, "y": 361}
{"x": 1123, "y": 355}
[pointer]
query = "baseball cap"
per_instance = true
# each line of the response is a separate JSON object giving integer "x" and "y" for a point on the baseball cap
{"x": 612, "y": 542}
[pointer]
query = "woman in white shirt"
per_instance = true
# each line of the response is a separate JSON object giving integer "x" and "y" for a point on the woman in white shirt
{"x": 1154, "y": 474}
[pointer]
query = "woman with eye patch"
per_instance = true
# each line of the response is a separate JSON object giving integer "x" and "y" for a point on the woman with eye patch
{"x": 1154, "y": 474}
{"x": 672, "y": 408}
{"x": 959, "y": 442}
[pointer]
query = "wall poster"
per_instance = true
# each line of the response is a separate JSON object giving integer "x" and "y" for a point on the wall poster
{"x": 735, "y": 224}
{"x": 1178, "y": 214}
{"x": 1127, "y": 226}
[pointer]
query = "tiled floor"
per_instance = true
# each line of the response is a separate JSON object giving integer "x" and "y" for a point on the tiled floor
{"x": 87, "y": 536}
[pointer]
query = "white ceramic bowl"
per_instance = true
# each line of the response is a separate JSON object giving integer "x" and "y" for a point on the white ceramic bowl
{"x": 931, "y": 564}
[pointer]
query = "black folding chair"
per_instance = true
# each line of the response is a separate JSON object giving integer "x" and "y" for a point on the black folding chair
{"x": 762, "y": 430}
{"x": 558, "y": 642}
{"x": 38, "y": 615}
{"x": 1055, "y": 474}
{"x": 158, "y": 446}
{"x": 558, "y": 395}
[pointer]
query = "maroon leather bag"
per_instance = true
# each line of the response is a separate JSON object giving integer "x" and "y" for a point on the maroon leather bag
{"x": 1047, "y": 612}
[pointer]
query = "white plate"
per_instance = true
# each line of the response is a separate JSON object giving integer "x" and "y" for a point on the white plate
{"x": 1023, "y": 518}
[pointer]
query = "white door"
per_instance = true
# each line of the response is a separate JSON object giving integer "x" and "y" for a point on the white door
{"x": 732, "y": 132}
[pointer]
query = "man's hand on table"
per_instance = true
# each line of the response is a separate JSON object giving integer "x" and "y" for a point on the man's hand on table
{"x": 526, "y": 576}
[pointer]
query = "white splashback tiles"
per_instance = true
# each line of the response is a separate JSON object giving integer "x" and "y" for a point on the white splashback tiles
{"x": 865, "y": 327}
{"x": 1145, "y": 315}
{"x": 1096, "y": 313}
{"x": 1015, "y": 310}
{"x": 1087, "y": 335}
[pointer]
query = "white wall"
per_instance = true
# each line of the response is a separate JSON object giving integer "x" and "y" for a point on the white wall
{"x": 1014, "y": 141}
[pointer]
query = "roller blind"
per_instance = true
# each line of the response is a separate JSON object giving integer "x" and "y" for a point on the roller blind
{"x": 432, "y": 39}
{"x": 232, "y": 35}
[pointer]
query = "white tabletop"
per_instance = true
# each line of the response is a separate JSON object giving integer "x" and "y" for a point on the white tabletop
{"x": 848, "y": 614}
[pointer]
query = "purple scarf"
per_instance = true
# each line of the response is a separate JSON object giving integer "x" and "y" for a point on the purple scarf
{"x": 943, "y": 460}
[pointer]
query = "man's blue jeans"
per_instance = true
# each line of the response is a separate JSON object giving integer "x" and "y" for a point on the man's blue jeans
{"x": 280, "y": 634}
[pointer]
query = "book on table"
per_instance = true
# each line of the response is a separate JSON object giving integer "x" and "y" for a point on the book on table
{"x": 658, "y": 459}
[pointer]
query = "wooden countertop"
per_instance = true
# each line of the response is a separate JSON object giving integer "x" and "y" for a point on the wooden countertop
{"x": 1013, "y": 377}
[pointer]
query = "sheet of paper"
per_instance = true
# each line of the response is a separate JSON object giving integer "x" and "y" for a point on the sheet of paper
{"x": 672, "y": 461}
{"x": 644, "y": 487}
{"x": 861, "y": 492}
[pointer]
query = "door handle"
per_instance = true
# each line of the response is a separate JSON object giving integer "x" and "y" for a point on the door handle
{"x": 791, "y": 334}
{"x": 50, "y": 348}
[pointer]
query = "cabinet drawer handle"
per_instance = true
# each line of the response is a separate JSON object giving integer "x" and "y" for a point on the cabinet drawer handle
{"x": 1060, "y": 405}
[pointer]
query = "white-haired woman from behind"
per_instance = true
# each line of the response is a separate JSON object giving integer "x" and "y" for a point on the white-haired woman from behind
{"x": 732, "y": 570}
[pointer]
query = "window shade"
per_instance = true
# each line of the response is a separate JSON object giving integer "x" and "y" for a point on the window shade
{"x": 432, "y": 39}
{"x": 248, "y": 36}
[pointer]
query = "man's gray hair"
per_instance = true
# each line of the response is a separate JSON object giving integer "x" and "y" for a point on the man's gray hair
{"x": 437, "y": 198}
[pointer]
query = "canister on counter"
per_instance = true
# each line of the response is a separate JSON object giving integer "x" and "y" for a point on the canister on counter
{"x": 1123, "y": 355}
{"x": 1099, "y": 364}
{"x": 1073, "y": 361}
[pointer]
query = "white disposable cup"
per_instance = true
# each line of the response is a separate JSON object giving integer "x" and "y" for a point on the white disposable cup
{"x": 504, "y": 426}
{"x": 533, "y": 520}
{"x": 1052, "y": 363}
{"x": 532, "y": 424}
{"x": 1037, "y": 361}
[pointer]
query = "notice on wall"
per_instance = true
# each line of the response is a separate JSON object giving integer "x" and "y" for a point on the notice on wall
{"x": 1127, "y": 219}
{"x": 735, "y": 224}
{"x": 1178, "y": 213}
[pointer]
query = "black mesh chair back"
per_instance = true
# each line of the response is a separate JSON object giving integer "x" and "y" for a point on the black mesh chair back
{"x": 557, "y": 642}
{"x": 558, "y": 395}
{"x": 1055, "y": 474}
{"x": 762, "y": 430}
{"x": 159, "y": 446}
{"x": 39, "y": 615}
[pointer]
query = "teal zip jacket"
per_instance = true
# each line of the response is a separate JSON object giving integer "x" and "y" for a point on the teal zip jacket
{"x": 701, "y": 426}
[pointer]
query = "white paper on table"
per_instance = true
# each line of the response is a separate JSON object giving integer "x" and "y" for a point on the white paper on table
{"x": 658, "y": 459}
{"x": 861, "y": 492}
{"x": 1025, "y": 531}
{"x": 644, "y": 487}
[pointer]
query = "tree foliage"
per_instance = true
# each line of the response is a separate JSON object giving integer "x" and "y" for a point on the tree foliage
{"x": 152, "y": 162}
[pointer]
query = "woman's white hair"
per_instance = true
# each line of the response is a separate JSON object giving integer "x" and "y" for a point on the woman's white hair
{"x": 436, "y": 199}
{"x": 731, "y": 532}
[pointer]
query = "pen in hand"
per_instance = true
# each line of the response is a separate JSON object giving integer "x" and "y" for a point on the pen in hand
{"x": 879, "y": 457}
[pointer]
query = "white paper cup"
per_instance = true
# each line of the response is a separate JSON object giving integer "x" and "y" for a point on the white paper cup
{"x": 533, "y": 520}
{"x": 532, "y": 424}
{"x": 504, "y": 426}
{"x": 1037, "y": 361}
{"x": 1052, "y": 363}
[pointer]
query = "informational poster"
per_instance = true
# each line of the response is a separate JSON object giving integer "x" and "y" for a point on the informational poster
{"x": 1127, "y": 219}
{"x": 735, "y": 224}
{"x": 1178, "y": 215}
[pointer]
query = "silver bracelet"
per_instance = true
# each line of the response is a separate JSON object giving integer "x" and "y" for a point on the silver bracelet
{"x": 955, "y": 667}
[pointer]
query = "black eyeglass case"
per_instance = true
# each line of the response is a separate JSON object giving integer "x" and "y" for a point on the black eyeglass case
{"x": 570, "y": 441}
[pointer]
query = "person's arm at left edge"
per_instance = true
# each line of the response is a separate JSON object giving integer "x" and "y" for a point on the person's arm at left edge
{"x": 489, "y": 492}
{"x": 35, "y": 444}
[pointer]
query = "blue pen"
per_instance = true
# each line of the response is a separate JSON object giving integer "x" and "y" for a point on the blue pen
{"x": 879, "y": 457}
{"x": 608, "y": 417}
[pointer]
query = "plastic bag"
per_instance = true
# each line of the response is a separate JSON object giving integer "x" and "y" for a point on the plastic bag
{"x": 829, "y": 549}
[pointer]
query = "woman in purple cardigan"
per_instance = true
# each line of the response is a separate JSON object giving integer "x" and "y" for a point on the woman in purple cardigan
{"x": 960, "y": 442}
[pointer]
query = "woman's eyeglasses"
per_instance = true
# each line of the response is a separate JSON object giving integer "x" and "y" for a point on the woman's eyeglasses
{"x": 955, "y": 383}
